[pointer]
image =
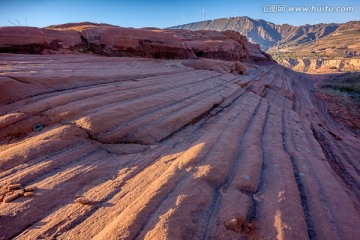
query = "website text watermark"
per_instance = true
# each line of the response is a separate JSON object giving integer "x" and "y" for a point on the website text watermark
{"x": 281, "y": 8}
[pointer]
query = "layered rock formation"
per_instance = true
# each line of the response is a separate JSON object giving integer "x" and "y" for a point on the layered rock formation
{"x": 338, "y": 52}
{"x": 314, "y": 65}
{"x": 227, "y": 45}
{"x": 34, "y": 40}
{"x": 128, "y": 42}
{"x": 143, "y": 148}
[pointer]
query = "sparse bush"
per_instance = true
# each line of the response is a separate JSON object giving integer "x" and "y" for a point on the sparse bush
{"x": 293, "y": 55}
{"x": 350, "y": 88}
{"x": 347, "y": 84}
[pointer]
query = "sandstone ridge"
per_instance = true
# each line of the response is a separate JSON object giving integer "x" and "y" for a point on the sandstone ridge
{"x": 108, "y": 40}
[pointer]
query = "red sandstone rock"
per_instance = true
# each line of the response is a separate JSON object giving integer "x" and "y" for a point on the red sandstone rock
{"x": 13, "y": 186}
{"x": 82, "y": 201}
{"x": 28, "y": 194}
{"x": 171, "y": 149}
{"x": 217, "y": 65}
{"x": 228, "y": 45}
{"x": 11, "y": 197}
{"x": 35, "y": 40}
{"x": 116, "y": 41}
{"x": 66, "y": 39}
{"x": 21, "y": 36}
{"x": 110, "y": 40}
{"x": 30, "y": 188}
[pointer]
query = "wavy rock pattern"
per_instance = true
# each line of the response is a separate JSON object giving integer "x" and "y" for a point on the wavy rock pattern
{"x": 163, "y": 150}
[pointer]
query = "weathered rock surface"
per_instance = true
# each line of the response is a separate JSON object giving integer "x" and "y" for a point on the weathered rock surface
{"x": 110, "y": 40}
{"x": 217, "y": 65}
{"x": 171, "y": 149}
{"x": 227, "y": 45}
{"x": 36, "y": 40}
{"x": 115, "y": 41}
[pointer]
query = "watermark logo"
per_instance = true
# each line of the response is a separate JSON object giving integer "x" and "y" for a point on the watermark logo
{"x": 281, "y": 8}
{"x": 273, "y": 8}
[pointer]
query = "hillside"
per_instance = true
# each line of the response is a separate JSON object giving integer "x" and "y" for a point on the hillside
{"x": 339, "y": 50}
{"x": 264, "y": 33}
{"x": 329, "y": 47}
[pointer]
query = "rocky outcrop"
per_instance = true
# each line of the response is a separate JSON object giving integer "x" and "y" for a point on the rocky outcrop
{"x": 103, "y": 40}
{"x": 227, "y": 45}
{"x": 127, "y": 42}
{"x": 36, "y": 40}
{"x": 137, "y": 148}
{"x": 110, "y": 40}
{"x": 312, "y": 65}
{"x": 233, "y": 67}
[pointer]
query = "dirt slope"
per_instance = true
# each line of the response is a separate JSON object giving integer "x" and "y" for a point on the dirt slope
{"x": 161, "y": 150}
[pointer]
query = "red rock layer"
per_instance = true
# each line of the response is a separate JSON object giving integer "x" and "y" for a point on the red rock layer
{"x": 110, "y": 40}
{"x": 131, "y": 148}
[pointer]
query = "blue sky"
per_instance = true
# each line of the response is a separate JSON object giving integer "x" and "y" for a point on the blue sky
{"x": 156, "y": 13}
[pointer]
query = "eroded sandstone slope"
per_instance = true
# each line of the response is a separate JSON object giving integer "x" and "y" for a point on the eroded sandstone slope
{"x": 158, "y": 149}
{"x": 95, "y": 147}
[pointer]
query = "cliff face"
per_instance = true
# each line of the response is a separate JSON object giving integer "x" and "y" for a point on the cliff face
{"x": 320, "y": 65}
{"x": 227, "y": 45}
{"x": 36, "y": 40}
{"x": 107, "y": 40}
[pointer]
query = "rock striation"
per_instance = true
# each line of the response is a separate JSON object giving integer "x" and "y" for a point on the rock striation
{"x": 110, "y": 40}
{"x": 319, "y": 65}
{"x": 145, "y": 148}
{"x": 35, "y": 41}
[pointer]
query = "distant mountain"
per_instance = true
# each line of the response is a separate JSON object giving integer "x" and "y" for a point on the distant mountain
{"x": 339, "y": 51}
{"x": 345, "y": 37}
{"x": 264, "y": 33}
{"x": 291, "y": 45}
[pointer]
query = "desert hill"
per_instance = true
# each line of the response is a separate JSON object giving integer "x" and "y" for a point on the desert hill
{"x": 265, "y": 33}
{"x": 339, "y": 50}
{"x": 306, "y": 48}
